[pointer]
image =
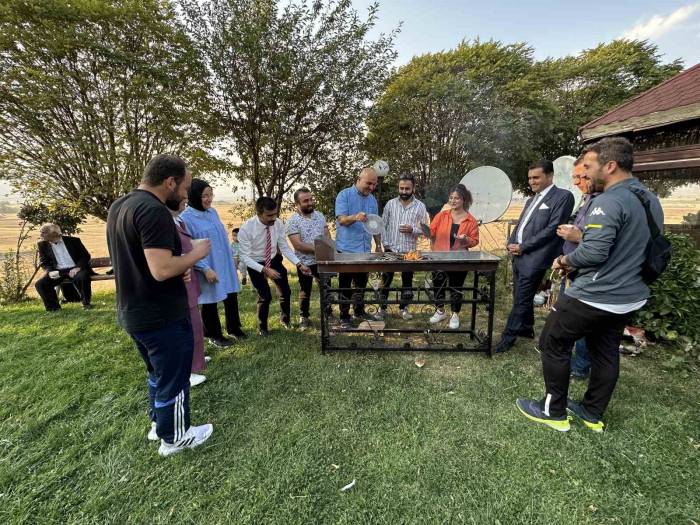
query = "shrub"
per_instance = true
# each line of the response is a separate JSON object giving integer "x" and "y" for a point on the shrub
{"x": 673, "y": 310}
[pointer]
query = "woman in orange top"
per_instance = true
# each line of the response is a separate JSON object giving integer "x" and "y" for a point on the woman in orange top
{"x": 454, "y": 229}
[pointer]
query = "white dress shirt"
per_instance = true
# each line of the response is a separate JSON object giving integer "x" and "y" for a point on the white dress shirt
{"x": 63, "y": 259}
{"x": 395, "y": 214}
{"x": 536, "y": 201}
{"x": 252, "y": 238}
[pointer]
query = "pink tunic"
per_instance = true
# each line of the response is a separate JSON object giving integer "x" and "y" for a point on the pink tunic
{"x": 198, "y": 363}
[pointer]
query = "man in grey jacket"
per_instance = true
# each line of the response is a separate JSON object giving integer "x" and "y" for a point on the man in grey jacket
{"x": 608, "y": 288}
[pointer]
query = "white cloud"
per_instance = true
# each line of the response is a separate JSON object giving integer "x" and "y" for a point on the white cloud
{"x": 659, "y": 25}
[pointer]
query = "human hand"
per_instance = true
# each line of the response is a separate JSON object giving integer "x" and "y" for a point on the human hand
{"x": 570, "y": 233}
{"x": 211, "y": 276}
{"x": 514, "y": 249}
{"x": 73, "y": 272}
{"x": 201, "y": 247}
{"x": 54, "y": 274}
{"x": 560, "y": 264}
{"x": 272, "y": 274}
{"x": 405, "y": 228}
{"x": 187, "y": 276}
{"x": 305, "y": 269}
{"x": 361, "y": 217}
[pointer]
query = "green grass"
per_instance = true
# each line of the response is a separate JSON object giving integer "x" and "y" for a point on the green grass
{"x": 291, "y": 427}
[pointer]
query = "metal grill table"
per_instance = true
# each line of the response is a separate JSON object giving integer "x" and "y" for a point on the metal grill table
{"x": 478, "y": 297}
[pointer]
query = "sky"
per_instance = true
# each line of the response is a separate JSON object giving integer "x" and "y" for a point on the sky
{"x": 553, "y": 29}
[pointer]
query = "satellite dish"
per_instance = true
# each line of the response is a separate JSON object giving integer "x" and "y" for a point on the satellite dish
{"x": 491, "y": 190}
{"x": 563, "y": 170}
{"x": 381, "y": 167}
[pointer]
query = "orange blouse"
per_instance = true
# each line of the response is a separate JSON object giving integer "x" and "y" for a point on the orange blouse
{"x": 440, "y": 228}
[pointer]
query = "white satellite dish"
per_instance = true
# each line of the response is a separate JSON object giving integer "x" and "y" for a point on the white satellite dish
{"x": 491, "y": 190}
{"x": 563, "y": 170}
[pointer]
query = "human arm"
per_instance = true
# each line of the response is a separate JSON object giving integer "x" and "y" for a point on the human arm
{"x": 599, "y": 235}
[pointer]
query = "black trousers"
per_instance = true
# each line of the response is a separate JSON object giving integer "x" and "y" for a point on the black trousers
{"x": 522, "y": 315}
{"x": 211, "y": 321}
{"x": 406, "y": 282}
{"x": 569, "y": 321}
{"x": 284, "y": 293}
{"x": 444, "y": 280}
{"x": 46, "y": 288}
{"x": 357, "y": 281}
{"x": 306, "y": 283}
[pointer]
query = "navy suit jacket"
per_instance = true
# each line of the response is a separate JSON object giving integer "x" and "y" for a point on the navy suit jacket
{"x": 541, "y": 244}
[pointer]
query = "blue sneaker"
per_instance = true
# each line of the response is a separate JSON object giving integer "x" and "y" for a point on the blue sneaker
{"x": 532, "y": 409}
{"x": 592, "y": 422}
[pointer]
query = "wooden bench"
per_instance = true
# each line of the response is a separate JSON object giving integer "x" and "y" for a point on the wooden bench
{"x": 97, "y": 263}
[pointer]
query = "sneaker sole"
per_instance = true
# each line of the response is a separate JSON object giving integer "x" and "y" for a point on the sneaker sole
{"x": 598, "y": 427}
{"x": 559, "y": 426}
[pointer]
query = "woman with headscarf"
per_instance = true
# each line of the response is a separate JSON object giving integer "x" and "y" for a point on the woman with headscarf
{"x": 453, "y": 229}
{"x": 193, "y": 289}
{"x": 217, "y": 273}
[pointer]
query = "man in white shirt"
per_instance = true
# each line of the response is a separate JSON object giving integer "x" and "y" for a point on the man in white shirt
{"x": 263, "y": 242}
{"x": 65, "y": 260}
{"x": 402, "y": 218}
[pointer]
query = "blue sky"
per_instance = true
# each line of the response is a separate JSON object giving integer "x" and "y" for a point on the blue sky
{"x": 553, "y": 29}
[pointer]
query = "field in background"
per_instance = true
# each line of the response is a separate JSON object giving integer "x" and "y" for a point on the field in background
{"x": 492, "y": 235}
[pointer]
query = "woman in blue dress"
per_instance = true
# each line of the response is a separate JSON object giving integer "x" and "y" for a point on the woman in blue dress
{"x": 217, "y": 273}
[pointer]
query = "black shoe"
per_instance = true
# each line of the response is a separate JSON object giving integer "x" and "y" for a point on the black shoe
{"x": 221, "y": 342}
{"x": 87, "y": 307}
{"x": 345, "y": 323}
{"x": 530, "y": 334}
{"x": 504, "y": 346}
{"x": 263, "y": 333}
{"x": 304, "y": 323}
{"x": 238, "y": 334}
{"x": 592, "y": 422}
{"x": 578, "y": 375}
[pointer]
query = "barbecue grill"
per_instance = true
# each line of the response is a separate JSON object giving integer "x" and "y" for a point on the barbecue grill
{"x": 478, "y": 297}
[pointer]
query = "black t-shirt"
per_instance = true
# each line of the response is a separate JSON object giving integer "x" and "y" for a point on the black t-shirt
{"x": 453, "y": 234}
{"x": 137, "y": 221}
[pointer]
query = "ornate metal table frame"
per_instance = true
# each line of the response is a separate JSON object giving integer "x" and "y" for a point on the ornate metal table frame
{"x": 478, "y": 293}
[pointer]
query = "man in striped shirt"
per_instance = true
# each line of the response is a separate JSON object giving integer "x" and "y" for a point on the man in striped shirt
{"x": 402, "y": 217}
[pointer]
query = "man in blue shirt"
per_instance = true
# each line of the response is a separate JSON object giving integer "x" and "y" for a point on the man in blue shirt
{"x": 352, "y": 205}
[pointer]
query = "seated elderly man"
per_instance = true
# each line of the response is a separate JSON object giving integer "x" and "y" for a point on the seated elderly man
{"x": 65, "y": 259}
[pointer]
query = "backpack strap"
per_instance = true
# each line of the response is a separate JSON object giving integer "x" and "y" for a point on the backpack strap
{"x": 653, "y": 228}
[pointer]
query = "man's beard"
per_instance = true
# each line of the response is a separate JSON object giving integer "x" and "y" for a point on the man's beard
{"x": 173, "y": 203}
{"x": 308, "y": 210}
{"x": 405, "y": 197}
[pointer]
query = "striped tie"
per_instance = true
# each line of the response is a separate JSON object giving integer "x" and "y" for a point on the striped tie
{"x": 268, "y": 247}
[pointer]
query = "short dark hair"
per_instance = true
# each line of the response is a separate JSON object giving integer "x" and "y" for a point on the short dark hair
{"x": 464, "y": 193}
{"x": 163, "y": 166}
{"x": 299, "y": 192}
{"x": 579, "y": 160}
{"x": 617, "y": 149}
{"x": 264, "y": 204}
{"x": 409, "y": 177}
{"x": 545, "y": 165}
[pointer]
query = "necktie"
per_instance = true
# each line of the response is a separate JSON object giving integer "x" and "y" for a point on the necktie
{"x": 268, "y": 247}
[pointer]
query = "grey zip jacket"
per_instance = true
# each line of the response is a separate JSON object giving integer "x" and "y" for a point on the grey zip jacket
{"x": 610, "y": 256}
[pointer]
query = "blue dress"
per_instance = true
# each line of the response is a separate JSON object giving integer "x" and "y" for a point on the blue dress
{"x": 207, "y": 225}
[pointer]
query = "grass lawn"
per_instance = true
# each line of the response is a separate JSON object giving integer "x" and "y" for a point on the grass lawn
{"x": 444, "y": 443}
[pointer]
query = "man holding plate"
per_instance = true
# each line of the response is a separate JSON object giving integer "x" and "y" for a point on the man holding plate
{"x": 355, "y": 211}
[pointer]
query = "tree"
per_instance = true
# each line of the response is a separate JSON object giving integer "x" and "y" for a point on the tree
{"x": 90, "y": 90}
{"x": 445, "y": 113}
{"x": 290, "y": 84}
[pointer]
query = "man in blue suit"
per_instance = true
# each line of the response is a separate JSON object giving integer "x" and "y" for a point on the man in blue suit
{"x": 534, "y": 244}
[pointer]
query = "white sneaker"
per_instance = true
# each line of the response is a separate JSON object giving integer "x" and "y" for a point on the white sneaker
{"x": 438, "y": 316}
{"x": 197, "y": 379}
{"x": 194, "y": 437}
{"x": 152, "y": 436}
{"x": 454, "y": 321}
{"x": 379, "y": 316}
{"x": 406, "y": 315}
{"x": 207, "y": 358}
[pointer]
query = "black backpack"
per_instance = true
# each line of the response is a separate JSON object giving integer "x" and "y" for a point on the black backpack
{"x": 659, "y": 249}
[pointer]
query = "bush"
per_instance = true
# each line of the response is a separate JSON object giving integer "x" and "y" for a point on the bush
{"x": 673, "y": 310}
{"x": 16, "y": 273}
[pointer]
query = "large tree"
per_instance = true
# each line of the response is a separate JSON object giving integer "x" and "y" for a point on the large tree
{"x": 445, "y": 113}
{"x": 290, "y": 84}
{"x": 89, "y": 91}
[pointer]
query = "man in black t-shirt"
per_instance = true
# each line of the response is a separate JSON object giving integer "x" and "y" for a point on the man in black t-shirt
{"x": 150, "y": 270}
